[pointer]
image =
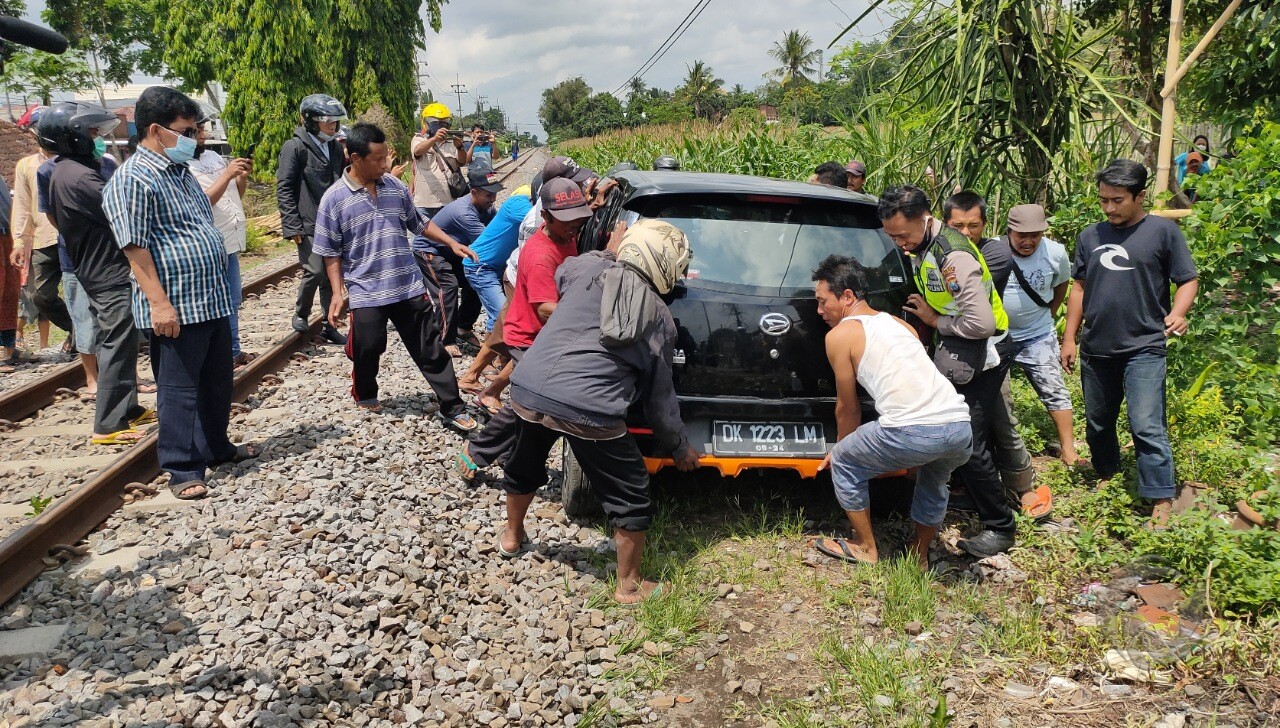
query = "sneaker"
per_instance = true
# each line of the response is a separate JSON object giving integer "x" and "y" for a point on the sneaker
{"x": 986, "y": 543}
{"x": 333, "y": 336}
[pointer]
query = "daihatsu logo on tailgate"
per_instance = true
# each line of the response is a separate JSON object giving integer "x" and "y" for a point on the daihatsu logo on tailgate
{"x": 775, "y": 324}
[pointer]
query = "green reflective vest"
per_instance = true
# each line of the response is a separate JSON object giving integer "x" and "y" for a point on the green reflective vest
{"x": 937, "y": 288}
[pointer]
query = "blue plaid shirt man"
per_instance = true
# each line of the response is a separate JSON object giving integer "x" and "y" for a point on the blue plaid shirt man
{"x": 158, "y": 205}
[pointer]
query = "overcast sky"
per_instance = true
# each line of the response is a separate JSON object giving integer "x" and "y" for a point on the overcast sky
{"x": 510, "y": 50}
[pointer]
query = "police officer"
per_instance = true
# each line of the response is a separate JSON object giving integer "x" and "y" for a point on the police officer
{"x": 310, "y": 163}
{"x": 958, "y": 298}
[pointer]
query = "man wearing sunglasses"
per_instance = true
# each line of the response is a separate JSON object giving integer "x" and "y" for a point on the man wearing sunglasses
{"x": 310, "y": 163}
{"x": 163, "y": 221}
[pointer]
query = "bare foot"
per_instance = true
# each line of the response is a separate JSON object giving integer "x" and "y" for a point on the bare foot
{"x": 493, "y": 404}
{"x": 636, "y": 594}
{"x": 453, "y": 351}
{"x": 470, "y": 385}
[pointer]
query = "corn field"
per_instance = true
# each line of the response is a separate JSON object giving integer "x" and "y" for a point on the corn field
{"x": 897, "y": 147}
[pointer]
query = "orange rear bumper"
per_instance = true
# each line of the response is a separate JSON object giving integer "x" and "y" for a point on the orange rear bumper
{"x": 733, "y": 467}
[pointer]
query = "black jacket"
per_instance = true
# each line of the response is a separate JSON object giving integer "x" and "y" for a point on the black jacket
{"x": 301, "y": 180}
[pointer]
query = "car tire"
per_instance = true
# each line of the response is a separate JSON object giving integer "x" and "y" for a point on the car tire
{"x": 577, "y": 494}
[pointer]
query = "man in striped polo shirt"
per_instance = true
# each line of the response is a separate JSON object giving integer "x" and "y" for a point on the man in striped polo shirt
{"x": 163, "y": 221}
{"x": 362, "y": 232}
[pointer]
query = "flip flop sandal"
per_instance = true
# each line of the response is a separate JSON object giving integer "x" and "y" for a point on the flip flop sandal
{"x": 89, "y": 397}
{"x": 464, "y": 467}
{"x": 844, "y": 554}
{"x": 1041, "y": 508}
{"x": 656, "y": 593}
{"x": 245, "y": 452}
{"x": 178, "y": 488}
{"x": 453, "y": 351}
{"x": 120, "y": 437}
{"x": 370, "y": 405}
{"x": 490, "y": 408}
{"x": 511, "y": 554}
{"x": 147, "y": 417}
{"x": 461, "y": 422}
{"x": 147, "y": 389}
{"x": 475, "y": 387}
{"x": 7, "y": 369}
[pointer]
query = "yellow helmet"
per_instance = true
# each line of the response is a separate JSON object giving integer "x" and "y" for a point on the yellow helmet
{"x": 435, "y": 111}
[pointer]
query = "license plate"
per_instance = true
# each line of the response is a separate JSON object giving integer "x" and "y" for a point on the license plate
{"x": 784, "y": 439}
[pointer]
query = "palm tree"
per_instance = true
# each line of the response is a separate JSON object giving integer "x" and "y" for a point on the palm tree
{"x": 701, "y": 87}
{"x": 795, "y": 54}
{"x": 635, "y": 88}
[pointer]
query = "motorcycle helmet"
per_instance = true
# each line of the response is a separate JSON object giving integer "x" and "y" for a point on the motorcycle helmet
{"x": 666, "y": 162}
{"x": 318, "y": 109}
{"x": 64, "y": 127}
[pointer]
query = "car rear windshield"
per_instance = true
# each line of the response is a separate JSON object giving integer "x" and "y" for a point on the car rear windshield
{"x": 772, "y": 248}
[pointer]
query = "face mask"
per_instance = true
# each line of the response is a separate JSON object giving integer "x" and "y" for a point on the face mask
{"x": 184, "y": 151}
{"x": 433, "y": 127}
{"x": 99, "y": 148}
{"x": 326, "y": 138}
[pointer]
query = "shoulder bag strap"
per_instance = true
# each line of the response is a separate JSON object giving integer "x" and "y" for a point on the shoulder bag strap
{"x": 1022, "y": 281}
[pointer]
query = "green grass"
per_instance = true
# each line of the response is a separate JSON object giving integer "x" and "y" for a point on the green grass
{"x": 869, "y": 672}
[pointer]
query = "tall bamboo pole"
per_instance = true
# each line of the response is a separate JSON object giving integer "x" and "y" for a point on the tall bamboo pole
{"x": 1172, "y": 59}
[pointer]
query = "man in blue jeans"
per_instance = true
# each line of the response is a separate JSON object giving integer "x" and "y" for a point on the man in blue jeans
{"x": 493, "y": 247}
{"x": 923, "y": 422}
{"x": 1123, "y": 268}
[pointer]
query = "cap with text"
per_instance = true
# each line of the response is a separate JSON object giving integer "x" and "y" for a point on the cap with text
{"x": 481, "y": 176}
{"x": 564, "y": 200}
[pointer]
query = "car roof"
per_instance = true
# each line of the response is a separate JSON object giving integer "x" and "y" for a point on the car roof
{"x": 645, "y": 183}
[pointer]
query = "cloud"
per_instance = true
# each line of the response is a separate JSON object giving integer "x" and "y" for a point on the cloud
{"x": 510, "y": 51}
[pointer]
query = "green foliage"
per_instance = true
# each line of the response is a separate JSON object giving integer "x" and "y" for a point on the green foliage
{"x": 797, "y": 57}
{"x": 1019, "y": 84}
{"x": 255, "y": 239}
{"x": 596, "y": 114}
{"x": 118, "y": 32}
{"x": 1235, "y": 237}
{"x": 38, "y": 504}
{"x": 558, "y": 103}
{"x": 40, "y": 74}
{"x": 701, "y": 90}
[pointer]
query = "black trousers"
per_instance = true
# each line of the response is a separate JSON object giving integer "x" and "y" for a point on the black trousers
{"x": 980, "y": 474}
{"x": 414, "y": 320}
{"x": 314, "y": 279}
{"x": 193, "y": 382}
{"x": 614, "y": 467}
{"x": 497, "y": 438}
{"x": 458, "y": 304}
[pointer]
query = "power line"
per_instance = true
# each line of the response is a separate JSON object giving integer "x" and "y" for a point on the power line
{"x": 689, "y": 19}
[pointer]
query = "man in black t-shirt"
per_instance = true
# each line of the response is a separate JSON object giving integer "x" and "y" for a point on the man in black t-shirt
{"x": 75, "y": 203}
{"x": 1123, "y": 268}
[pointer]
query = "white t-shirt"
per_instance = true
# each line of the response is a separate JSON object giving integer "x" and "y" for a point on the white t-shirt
{"x": 430, "y": 174}
{"x": 1045, "y": 269}
{"x": 228, "y": 214}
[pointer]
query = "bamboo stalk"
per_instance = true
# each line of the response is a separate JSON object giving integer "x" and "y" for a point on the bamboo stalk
{"x": 1165, "y": 158}
{"x": 1172, "y": 82}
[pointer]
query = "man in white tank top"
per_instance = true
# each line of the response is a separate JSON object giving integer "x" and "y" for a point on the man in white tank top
{"x": 923, "y": 423}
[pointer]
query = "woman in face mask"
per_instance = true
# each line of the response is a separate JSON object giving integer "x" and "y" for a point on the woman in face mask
{"x": 1201, "y": 146}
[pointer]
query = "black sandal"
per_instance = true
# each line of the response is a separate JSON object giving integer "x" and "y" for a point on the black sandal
{"x": 178, "y": 488}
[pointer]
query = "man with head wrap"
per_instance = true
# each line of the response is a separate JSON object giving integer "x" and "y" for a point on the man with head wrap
{"x": 609, "y": 345}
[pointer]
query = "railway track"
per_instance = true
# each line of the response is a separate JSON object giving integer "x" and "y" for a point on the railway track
{"x": 78, "y": 509}
{"x": 50, "y": 538}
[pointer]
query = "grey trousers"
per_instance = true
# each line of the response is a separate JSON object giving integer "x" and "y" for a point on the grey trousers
{"x": 313, "y": 279}
{"x": 46, "y": 274}
{"x": 117, "y": 341}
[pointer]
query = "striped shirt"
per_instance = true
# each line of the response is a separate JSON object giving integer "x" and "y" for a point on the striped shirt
{"x": 371, "y": 236}
{"x": 158, "y": 206}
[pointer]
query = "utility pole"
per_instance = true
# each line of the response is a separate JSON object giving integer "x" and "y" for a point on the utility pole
{"x": 819, "y": 66}
{"x": 459, "y": 89}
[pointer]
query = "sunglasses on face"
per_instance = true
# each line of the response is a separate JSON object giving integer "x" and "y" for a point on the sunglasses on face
{"x": 189, "y": 132}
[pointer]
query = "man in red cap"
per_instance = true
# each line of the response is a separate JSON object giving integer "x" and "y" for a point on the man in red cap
{"x": 564, "y": 213}
{"x": 857, "y": 175}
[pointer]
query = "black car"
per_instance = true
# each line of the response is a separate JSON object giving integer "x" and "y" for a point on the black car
{"x": 751, "y": 370}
